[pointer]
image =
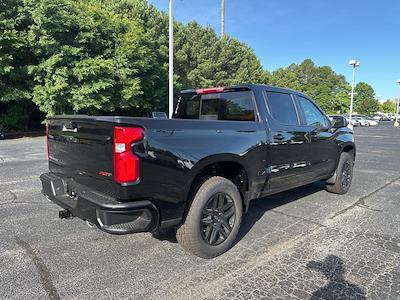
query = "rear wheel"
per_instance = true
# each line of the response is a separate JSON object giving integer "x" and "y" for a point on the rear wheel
{"x": 344, "y": 175}
{"x": 213, "y": 220}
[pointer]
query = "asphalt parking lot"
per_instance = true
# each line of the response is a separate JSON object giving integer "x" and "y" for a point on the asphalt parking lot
{"x": 301, "y": 244}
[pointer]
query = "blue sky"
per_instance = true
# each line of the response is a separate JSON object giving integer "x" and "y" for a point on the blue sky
{"x": 330, "y": 32}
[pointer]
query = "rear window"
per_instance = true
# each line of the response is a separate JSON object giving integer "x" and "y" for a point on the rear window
{"x": 227, "y": 106}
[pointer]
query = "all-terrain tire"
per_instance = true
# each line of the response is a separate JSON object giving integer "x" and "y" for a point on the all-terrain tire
{"x": 344, "y": 175}
{"x": 191, "y": 235}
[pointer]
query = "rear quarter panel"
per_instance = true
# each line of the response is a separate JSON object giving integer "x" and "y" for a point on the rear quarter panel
{"x": 182, "y": 148}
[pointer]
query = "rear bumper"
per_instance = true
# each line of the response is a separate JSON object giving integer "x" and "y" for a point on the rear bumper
{"x": 101, "y": 210}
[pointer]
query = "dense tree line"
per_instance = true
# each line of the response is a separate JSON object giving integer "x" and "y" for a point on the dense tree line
{"x": 111, "y": 57}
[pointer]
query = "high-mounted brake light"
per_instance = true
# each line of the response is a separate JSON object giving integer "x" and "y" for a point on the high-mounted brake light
{"x": 126, "y": 163}
{"x": 210, "y": 90}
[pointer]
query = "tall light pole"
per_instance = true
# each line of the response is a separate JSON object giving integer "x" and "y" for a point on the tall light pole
{"x": 222, "y": 18}
{"x": 171, "y": 61}
{"x": 396, "y": 123}
{"x": 355, "y": 64}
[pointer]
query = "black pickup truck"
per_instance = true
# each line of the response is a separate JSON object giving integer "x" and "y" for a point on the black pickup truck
{"x": 197, "y": 172}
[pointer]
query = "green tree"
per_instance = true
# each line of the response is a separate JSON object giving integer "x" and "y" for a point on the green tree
{"x": 388, "y": 106}
{"x": 15, "y": 53}
{"x": 364, "y": 100}
{"x": 203, "y": 59}
{"x": 326, "y": 87}
{"x": 111, "y": 57}
{"x": 91, "y": 60}
{"x": 154, "y": 81}
{"x": 17, "y": 110}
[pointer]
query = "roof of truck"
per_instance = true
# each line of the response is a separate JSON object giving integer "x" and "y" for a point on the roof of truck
{"x": 251, "y": 86}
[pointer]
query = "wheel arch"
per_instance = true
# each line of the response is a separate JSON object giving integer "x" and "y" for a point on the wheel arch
{"x": 229, "y": 166}
{"x": 351, "y": 149}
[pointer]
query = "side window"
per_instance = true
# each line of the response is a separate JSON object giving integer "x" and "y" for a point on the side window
{"x": 282, "y": 108}
{"x": 311, "y": 113}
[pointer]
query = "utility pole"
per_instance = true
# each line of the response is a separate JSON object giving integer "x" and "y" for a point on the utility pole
{"x": 171, "y": 61}
{"x": 222, "y": 18}
{"x": 396, "y": 123}
{"x": 355, "y": 64}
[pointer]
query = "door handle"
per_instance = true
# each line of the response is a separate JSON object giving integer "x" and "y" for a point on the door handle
{"x": 278, "y": 137}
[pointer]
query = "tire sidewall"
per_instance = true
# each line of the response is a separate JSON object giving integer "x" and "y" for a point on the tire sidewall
{"x": 344, "y": 158}
{"x": 209, "y": 188}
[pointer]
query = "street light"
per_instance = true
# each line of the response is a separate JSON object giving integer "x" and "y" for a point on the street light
{"x": 355, "y": 64}
{"x": 222, "y": 18}
{"x": 171, "y": 61}
{"x": 396, "y": 124}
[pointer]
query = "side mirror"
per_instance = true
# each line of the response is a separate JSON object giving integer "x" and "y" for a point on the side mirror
{"x": 339, "y": 122}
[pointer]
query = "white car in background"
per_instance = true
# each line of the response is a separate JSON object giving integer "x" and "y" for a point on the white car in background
{"x": 365, "y": 121}
{"x": 361, "y": 121}
{"x": 371, "y": 121}
{"x": 353, "y": 122}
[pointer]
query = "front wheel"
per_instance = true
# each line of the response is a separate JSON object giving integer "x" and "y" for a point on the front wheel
{"x": 344, "y": 175}
{"x": 213, "y": 220}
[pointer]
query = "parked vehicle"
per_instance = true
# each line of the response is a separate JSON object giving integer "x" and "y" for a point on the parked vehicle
{"x": 385, "y": 118}
{"x": 354, "y": 122}
{"x": 366, "y": 121}
{"x": 378, "y": 118}
{"x": 199, "y": 171}
{"x": 371, "y": 121}
{"x": 361, "y": 120}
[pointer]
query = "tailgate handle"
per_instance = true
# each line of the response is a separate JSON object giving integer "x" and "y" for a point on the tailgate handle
{"x": 72, "y": 127}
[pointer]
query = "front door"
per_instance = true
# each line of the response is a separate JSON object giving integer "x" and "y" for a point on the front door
{"x": 288, "y": 152}
{"x": 323, "y": 149}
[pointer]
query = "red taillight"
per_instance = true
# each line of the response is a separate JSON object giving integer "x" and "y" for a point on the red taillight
{"x": 126, "y": 164}
{"x": 210, "y": 90}
{"x": 47, "y": 141}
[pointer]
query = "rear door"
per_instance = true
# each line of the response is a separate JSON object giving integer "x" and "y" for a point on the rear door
{"x": 323, "y": 148}
{"x": 288, "y": 153}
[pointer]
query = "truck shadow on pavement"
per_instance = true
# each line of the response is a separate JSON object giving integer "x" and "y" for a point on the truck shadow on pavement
{"x": 257, "y": 209}
{"x": 337, "y": 287}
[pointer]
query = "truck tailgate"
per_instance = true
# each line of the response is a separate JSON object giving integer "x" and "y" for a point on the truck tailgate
{"x": 82, "y": 149}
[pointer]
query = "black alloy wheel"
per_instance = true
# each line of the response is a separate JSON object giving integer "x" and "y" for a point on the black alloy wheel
{"x": 218, "y": 219}
{"x": 346, "y": 175}
{"x": 213, "y": 220}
